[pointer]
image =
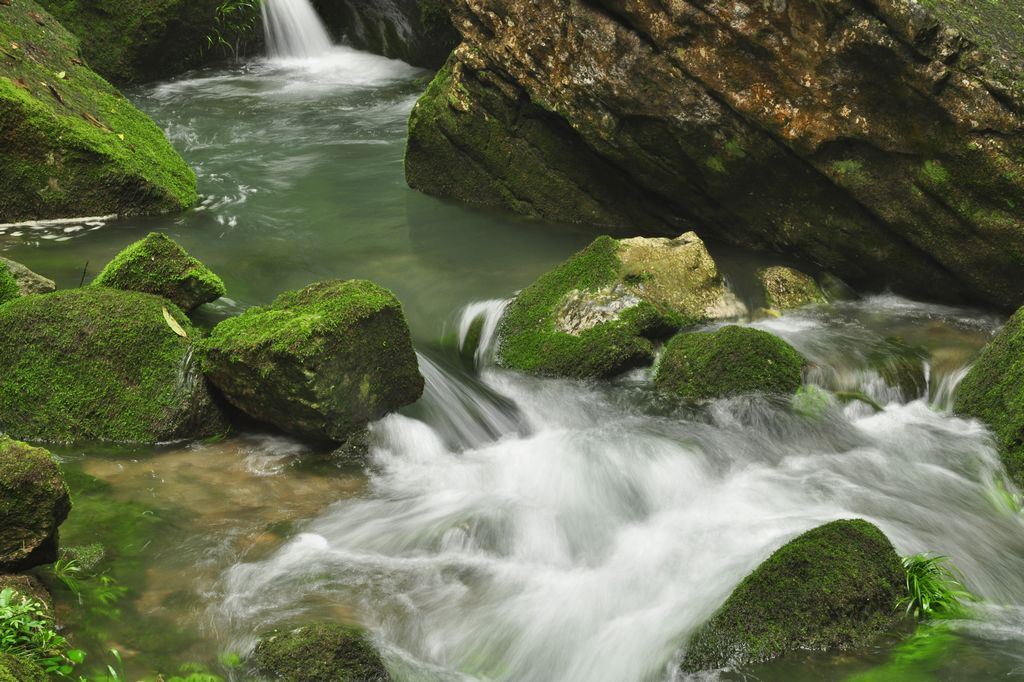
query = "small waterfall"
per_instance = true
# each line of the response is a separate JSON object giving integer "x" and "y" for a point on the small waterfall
{"x": 294, "y": 30}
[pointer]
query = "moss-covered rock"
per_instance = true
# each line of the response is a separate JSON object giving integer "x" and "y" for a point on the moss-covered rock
{"x": 786, "y": 288}
{"x": 834, "y": 587}
{"x": 33, "y": 502}
{"x": 993, "y": 391}
{"x": 73, "y": 145}
{"x": 158, "y": 265}
{"x": 729, "y": 361}
{"x": 321, "y": 651}
{"x": 101, "y": 364}
{"x": 28, "y": 282}
{"x": 596, "y": 314}
{"x": 9, "y": 289}
{"x": 319, "y": 362}
{"x": 131, "y": 41}
{"x": 14, "y": 669}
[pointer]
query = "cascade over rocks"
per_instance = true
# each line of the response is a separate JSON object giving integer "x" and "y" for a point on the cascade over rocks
{"x": 72, "y": 144}
{"x": 321, "y": 651}
{"x": 34, "y": 501}
{"x": 596, "y": 314}
{"x": 319, "y": 362}
{"x": 158, "y": 265}
{"x": 101, "y": 364}
{"x": 881, "y": 140}
{"x": 834, "y": 587}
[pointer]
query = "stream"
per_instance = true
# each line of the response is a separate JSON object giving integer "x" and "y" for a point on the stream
{"x": 505, "y": 527}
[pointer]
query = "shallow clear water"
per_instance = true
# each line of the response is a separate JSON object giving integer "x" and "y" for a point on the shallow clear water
{"x": 506, "y": 528}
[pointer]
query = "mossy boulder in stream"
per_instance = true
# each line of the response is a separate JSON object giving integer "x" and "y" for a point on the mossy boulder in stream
{"x": 834, "y": 587}
{"x": 14, "y": 669}
{"x": 101, "y": 364}
{"x": 318, "y": 652}
{"x": 729, "y": 361}
{"x": 596, "y": 314}
{"x": 28, "y": 282}
{"x": 34, "y": 501}
{"x": 993, "y": 391}
{"x": 319, "y": 362}
{"x": 158, "y": 265}
{"x": 72, "y": 144}
{"x": 786, "y": 288}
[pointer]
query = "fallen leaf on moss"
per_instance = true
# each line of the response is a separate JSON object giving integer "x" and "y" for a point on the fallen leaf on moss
{"x": 22, "y": 84}
{"x": 53, "y": 91}
{"x": 62, "y": 75}
{"x": 38, "y": 18}
{"x": 5, "y": 2}
{"x": 121, "y": 135}
{"x": 173, "y": 324}
{"x": 95, "y": 121}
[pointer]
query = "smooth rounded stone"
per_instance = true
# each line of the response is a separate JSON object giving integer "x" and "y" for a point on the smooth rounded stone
{"x": 786, "y": 288}
{"x": 727, "y": 362}
{"x": 596, "y": 314}
{"x": 100, "y": 364}
{"x": 34, "y": 501}
{"x": 73, "y": 145}
{"x": 28, "y": 282}
{"x": 321, "y": 652}
{"x": 320, "y": 362}
{"x": 14, "y": 669}
{"x": 993, "y": 392}
{"x": 835, "y": 587}
{"x": 159, "y": 265}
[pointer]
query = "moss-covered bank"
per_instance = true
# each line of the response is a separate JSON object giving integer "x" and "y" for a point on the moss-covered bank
{"x": 13, "y": 669}
{"x": 729, "y": 361}
{"x": 158, "y": 265}
{"x": 993, "y": 391}
{"x": 33, "y": 502}
{"x": 101, "y": 364}
{"x": 72, "y": 144}
{"x": 834, "y": 587}
{"x": 319, "y": 362}
{"x": 322, "y": 651}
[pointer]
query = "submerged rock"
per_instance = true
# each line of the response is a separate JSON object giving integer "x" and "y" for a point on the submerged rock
{"x": 319, "y": 362}
{"x": 882, "y": 141}
{"x": 595, "y": 314}
{"x": 901, "y": 366}
{"x": 158, "y": 265}
{"x": 419, "y": 32}
{"x": 73, "y": 145}
{"x": 28, "y": 282}
{"x": 101, "y": 364}
{"x": 319, "y": 652}
{"x": 993, "y": 391}
{"x": 834, "y": 587}
{"x": 786, "y": 288}
{"x": 14, "y": 669}
{"x": 729, "y": 361}
{"x": 34, "y": 501}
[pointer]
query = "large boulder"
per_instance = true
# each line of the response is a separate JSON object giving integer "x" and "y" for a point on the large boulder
{"x": 319, "y": 362}
{"x": 73, "y": 145}
{"x": 101, "y": 364}
{"x": 786, "y": 288}
{"x": 318, "y": 652}
{"x": 835, "y": 587}
{"x": 28, "y": 282}
{"x": 130, "y": 42}
{"x": 158, "y": 265}
{"x": 596, "y": 314}
{"x": 419, "y": 32}
{"x": 993, "y": 391}
{"x": 34, "y": 501}
{"x": 727, "y": 362}
{"x": 881, "y": 140}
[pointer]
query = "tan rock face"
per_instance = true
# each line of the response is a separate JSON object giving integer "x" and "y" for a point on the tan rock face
{"x": 786, "y": 288}
{"x": 882, "y": 140}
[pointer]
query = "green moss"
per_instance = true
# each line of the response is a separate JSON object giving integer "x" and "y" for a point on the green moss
{"x": 158, "y": 265}
{"x": 786, "y": 288}
{"x": 934, "y": 173}
{"x": 834, "y": 587}
{"x": 13, "y": 669}
{"x": 321, "y": 361}
{"x": 72, "y": 144}
{"x": 33, "y": 503}
{"x": 727, "y": 362}
{"x": 100, "y": 364}
{"x": 531, "y": 342}
{"x": 8, "y": 285}
{"x": 993, "y": 391}
{"x": 323, "y": 651}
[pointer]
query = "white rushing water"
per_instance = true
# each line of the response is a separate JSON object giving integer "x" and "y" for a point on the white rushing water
{"x": 545, "y": 530}
{"x": 294, "y": 30}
